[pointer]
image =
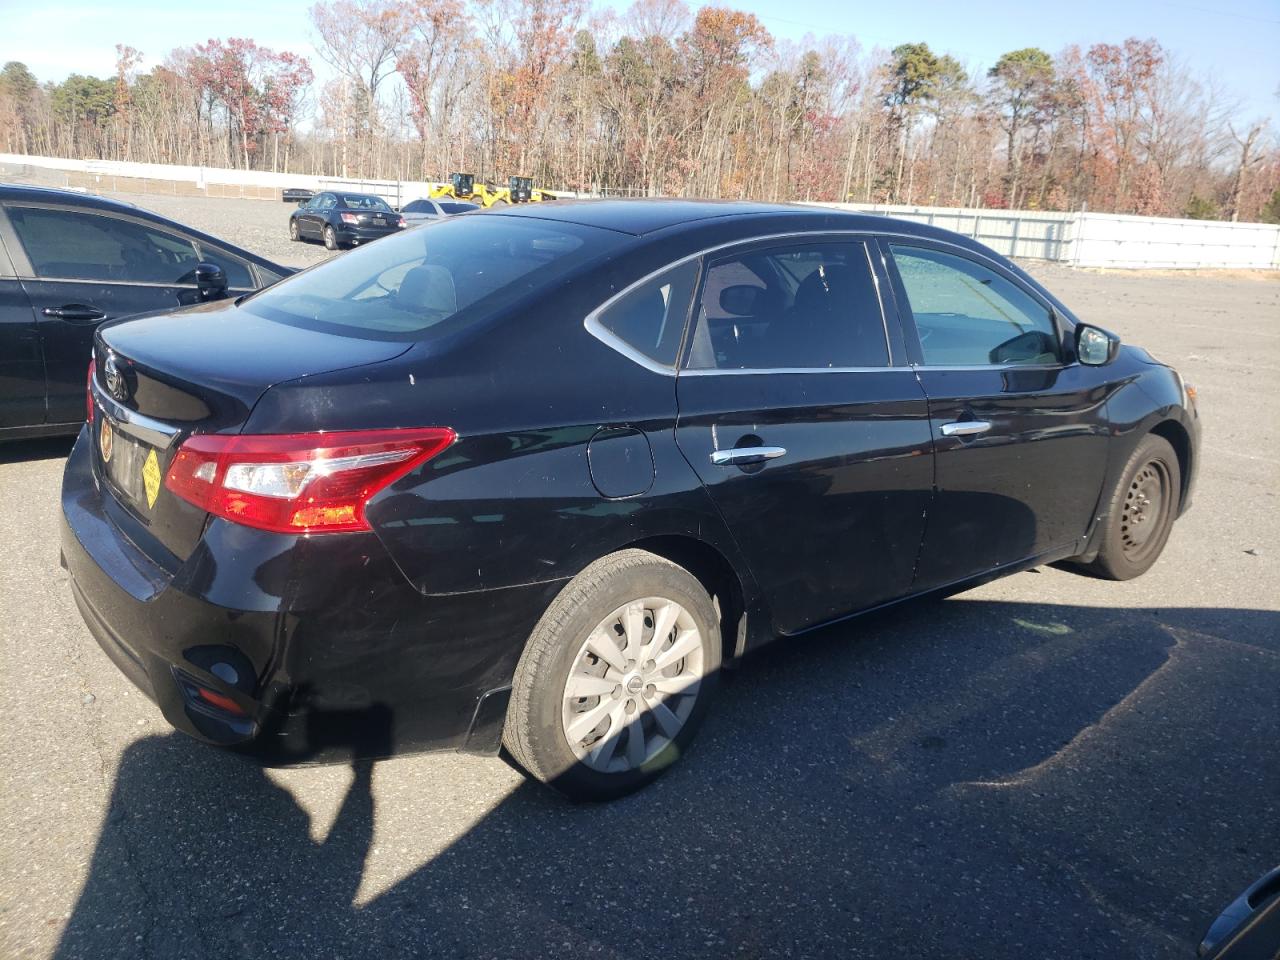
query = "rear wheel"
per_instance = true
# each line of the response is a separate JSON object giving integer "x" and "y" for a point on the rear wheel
{"x": 1141, "y": 512}
{"x": 330, "y": 239}
{"x": 616, "y": 677}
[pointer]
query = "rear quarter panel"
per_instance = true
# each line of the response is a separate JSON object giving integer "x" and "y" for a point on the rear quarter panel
{"x": 512, "y": 502}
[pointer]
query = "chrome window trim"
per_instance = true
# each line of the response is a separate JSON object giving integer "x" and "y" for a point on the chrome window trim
{"x": 593, "y": 326}
{"x": 132, "y": 283}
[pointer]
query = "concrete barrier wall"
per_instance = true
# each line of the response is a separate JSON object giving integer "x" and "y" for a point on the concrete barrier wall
{"x": 1102, "y": 239}
{"x": 1078, "y": 239}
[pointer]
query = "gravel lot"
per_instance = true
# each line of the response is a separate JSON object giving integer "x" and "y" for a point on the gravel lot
{"x": 1047, "y": 766}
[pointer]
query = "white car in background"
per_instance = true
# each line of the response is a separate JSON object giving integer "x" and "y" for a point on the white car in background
{"x": 418, "y": 211}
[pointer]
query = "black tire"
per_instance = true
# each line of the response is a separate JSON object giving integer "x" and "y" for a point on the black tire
{"x": 535, "y": 733}
{"x": 294, "y": 233}
{"x": 330, "y": 238}
{"x": 1136, "y": 524}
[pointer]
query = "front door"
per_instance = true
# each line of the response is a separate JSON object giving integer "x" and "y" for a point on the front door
{"x": 80, "y": 268}
{"x": 810, "y": 435}
{"x": 1020, "y": 432}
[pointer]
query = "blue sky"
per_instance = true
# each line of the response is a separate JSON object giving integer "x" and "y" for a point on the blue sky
{"x": 1235, "y": 41}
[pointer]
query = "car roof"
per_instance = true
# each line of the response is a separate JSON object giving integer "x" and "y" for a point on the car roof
{"x": 25, "y": 192}
{"x": 640, "y": 217}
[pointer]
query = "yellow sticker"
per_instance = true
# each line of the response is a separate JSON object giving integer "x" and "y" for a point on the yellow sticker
{"x": 151, "y": 478}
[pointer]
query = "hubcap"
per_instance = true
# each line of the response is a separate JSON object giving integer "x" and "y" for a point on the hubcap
{"x": 633, "y": 684}
{"x": 1145, "y": 505}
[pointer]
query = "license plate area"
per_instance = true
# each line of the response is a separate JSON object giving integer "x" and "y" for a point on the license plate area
{"x": 124, "y": 459}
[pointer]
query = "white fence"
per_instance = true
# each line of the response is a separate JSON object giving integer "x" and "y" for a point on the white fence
{"x": 1102, "y": 239}
{"x": 1078, "y": 239}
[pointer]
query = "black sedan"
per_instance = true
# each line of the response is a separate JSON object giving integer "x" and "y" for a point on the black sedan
{"x": 532, "y": 477}
{"x": 344, "y": 219}
{"x": 70, "y": 261}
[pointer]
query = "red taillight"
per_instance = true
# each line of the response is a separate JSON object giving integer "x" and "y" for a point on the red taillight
{"x": 298, "y": 482}
{"x": 88, "y": 391}
{"x": 350, "y": 217}
{"x": 400, "y": 222}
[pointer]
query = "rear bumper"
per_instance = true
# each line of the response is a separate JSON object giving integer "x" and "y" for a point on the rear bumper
{"x": 364, "y": 234}
{"x": 322, "y": 645}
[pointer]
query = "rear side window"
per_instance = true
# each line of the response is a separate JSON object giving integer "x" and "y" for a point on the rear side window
{"x": 419, "y": 206}
{"x": 969, "y": 315}
{"x": 452, "y": 208}
{"x": 411, "y": 282}
{"x": 810, "y": 306}
{"x": 73, "y": 245}
{"x": 650, "y": 318}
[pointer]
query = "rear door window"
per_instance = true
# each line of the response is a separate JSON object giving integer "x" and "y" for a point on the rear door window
{"x": 967, "y": 314}
{"x": 75, "y": 245}
{"x": 803, "y": 306}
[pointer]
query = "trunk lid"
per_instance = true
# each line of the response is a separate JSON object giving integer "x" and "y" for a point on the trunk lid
{"x": 162, "y": 377}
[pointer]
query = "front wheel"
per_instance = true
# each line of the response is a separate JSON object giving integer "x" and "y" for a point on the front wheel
{"x": 615, "y": 678}
{"x": 330, "y": 239}
{"x": 1141, "y": 512}
{"x": 293, "y": 231}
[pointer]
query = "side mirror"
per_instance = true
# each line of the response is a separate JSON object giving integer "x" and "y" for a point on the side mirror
{"x": 1095, "y": 347}
{"x": 740, "y": 299}
{"x": 211, "y": 281}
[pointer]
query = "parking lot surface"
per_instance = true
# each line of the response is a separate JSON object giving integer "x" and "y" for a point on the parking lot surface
{"x": 1048, "y": 766}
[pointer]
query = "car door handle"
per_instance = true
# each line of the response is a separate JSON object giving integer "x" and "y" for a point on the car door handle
{"x": 965, "y": 428}
{"x": 741, "y": 456}
{"x": 74, "y": 311}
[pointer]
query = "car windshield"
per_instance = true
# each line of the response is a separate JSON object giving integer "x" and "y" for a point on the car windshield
{"x": 359, "y": 202}
{"x": 450, "y": 270}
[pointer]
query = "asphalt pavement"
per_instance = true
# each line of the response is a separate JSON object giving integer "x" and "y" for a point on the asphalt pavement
{"x": 1048, "y": 766}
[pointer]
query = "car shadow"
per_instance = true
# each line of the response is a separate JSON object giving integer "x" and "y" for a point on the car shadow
{"x": 47, "y": 448}
{"x": 957, "y": 778}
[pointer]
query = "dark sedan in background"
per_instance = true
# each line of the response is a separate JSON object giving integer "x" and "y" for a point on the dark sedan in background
{"x": 344, "y": 219}
{"x": 532, "y": 477}
{"x": 70, "y": 261}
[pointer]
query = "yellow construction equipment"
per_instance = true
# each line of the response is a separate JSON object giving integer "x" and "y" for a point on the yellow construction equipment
{"x": 463, "y": 186}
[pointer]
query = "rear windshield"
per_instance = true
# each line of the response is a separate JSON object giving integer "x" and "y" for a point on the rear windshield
{"x": 451, "y": 270}
{"x": 361, "y": 202}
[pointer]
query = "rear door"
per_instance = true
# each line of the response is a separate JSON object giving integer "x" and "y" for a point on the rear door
{"x": 1020, "y": 431}
{"x": 82, "y": 267}
{"x": 807, "y": 426}
{"x": 21, "y": 366}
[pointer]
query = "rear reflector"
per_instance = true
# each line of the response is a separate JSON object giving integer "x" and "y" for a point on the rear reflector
{"x": 298, "y": 482}
{"x": 219, "y": 700}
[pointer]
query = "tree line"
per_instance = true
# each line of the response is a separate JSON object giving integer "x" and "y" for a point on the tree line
{"x": 666, "y": 100}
